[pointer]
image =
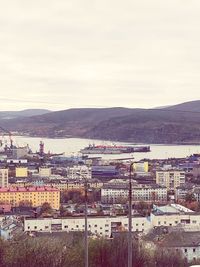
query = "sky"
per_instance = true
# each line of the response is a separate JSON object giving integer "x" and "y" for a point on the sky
{"x": 59, "y": 54}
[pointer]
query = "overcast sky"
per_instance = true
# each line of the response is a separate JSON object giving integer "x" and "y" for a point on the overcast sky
{"x": 58, "y": 54}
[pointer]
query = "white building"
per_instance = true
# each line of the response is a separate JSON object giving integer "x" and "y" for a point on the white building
{"x": 44, "y": 172}
{"x": 3, "y": 177}
{"x": 149, "y": 193}
{"x": 99, "y": 226}
{"x": 170, "y": 179}
{"x": 196, "y": 193}
{"x": 77, "y": 172}
{"x": 175, "y": 215}
{"x": 185, "y": 243}
{"x": 117, "y": 193}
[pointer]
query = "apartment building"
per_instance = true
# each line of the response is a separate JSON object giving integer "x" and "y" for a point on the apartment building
{"x": 170, "y": 178}
{"x": 36, "y": 196}
{"x": 117, "y": 193}
{"x": 3, "y": 177}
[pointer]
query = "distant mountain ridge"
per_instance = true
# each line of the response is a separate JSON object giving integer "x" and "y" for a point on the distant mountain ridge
{"x": 192, "y": 106}
{"x": 23, "y": 113}
{"x": 172, "y": 124}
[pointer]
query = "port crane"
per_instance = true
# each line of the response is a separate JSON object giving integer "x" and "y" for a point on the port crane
{"x": 9, "y": 134}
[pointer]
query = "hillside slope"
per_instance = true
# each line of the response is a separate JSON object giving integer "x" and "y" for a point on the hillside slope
{"x": 174, "y": 124}
{"x": 4, "y": 115}
{"x": 193, "y": 106}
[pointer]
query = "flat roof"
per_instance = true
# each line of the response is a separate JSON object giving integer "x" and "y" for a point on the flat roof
{"x": 28, "y": 189}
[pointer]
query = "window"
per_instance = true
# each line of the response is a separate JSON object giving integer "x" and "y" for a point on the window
{"x": 35, "y": 227}
{"x": 194, "y": 250}
{"x": 185, "y": 250}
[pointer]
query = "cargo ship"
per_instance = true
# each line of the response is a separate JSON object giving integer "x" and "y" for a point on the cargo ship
{"x": 114, "y": 149}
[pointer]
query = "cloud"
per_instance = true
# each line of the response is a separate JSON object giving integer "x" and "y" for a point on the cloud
{"x": 60, "y": 54}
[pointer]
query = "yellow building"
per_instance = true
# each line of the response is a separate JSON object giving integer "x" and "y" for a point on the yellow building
{"x": 21, "y": 172}
{"x": 141, "y": 166}
{"x": 34, "y": 195}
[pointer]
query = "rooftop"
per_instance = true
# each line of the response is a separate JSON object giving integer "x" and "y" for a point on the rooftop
{"x": 171, "y": 209}
{"x": 28, "y": 189}
{"x": 181, "y": 239}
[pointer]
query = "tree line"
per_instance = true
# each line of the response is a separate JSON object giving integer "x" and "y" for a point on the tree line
{"x": 67, "y": 250}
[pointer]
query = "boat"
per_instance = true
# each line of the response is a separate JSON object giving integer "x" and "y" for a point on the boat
{"x": 113, "y": 149}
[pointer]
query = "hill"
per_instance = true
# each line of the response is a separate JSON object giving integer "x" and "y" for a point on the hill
{"x": 174, "y": 124}
{"x": 6, "y": 115}
{"x": 193, "y": 106}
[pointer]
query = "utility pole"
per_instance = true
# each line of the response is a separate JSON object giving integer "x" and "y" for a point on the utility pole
{"x": 130, "y": 245}
{"x": 86, "y": 224}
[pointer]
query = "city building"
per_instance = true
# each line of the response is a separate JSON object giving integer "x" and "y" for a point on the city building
{"x": 182, "y": 191}
{"x": 175, "y": 215}
{"x": 17, "y": 161}
{"x": 196, "y": 171}
{"x": 36, "y": 196}
{"x": 196, "y": 193}
{"x": 170, "y": 178}
{"x": 149, "y": 193}
{"x": 20, "y": 152}
{"x": 141, "y": 166}
{"x": 79, "y": 171}
{"x": 105, "y": 172}
{"x": 99, "y": 226}
{"x": 114, "y": 193}
{"x": 185, "y": 243}
{"x": 44, "y": 172}
{"x": 3, "y": 177}
{"x": 118, "y": 193}
{"x": 21, "y": 172}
